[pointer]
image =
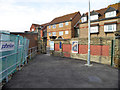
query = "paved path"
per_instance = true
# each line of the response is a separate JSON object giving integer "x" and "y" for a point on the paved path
{"x": 55, "y": 72}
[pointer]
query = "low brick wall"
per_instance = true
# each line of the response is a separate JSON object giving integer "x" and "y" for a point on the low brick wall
{"x": 100, "y": 49}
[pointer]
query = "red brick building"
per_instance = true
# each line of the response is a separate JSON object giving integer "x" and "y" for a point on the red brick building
{"x": 63, "y": 26}
{"x": 104, "y": 22}
{"x": 34, "y": 27}
{"x": 31, "y": 36}
{"x": 42, "y": 28}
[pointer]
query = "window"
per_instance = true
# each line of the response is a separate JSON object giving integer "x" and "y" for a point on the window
{"x": 60, "y": 24}
{"x": 94, "y": 29}
{"x": 32, "y": 29}
{"x": 53, "y": 33}
{"x": 54, "y": 26}
{"x": 93, "y": 17}
{"x": 60, "y": 33}
{"x": 66, "y": 32}
{"x": 110, "y": 14}
{"x": 44, "y": 33}
{"x": 110, "y": 28}
{"x": 84, "y": 19}
{"x": 66, "y": 23}
{"x": 49, "y": 27}
{"x": 49, "y": 33}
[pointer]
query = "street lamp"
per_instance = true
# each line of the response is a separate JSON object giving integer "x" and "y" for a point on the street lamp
{"x": 88, "y": 59}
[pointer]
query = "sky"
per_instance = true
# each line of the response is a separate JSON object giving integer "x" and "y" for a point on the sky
{"x": 18, "y": 15}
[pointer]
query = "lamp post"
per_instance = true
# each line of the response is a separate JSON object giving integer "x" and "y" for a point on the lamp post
{"x": 88, "y": 59}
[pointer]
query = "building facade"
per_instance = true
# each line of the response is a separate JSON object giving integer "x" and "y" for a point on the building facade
{"x": 34, "y": 27}
{"x": 63, "y": 27}
{"x": 42, "y": 29}
{"x": 104, "y": 22}
{"x": 29, "y": 35}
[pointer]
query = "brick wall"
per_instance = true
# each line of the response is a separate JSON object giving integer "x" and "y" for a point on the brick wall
{"x": 100, "y": 49}
{"x": 117, "y": 53}
{"x": 84, "y": 29}
{"x": 67, "y": 48}
{"x": 33, "y": 37}
{"x": 58, "y": 29}
{"x": 74, "y": 21}
{"x": 56, "y": 47}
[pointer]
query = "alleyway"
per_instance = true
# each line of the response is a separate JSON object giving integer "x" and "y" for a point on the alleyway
{"x": 55, "y": 72}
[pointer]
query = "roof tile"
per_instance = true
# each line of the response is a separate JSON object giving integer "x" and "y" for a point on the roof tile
{"x": 64, "y": 18}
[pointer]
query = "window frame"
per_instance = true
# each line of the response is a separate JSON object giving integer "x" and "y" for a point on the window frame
{"x": 54, "y": 26}
{"x": 108, "y": 14}
{"x": 66, "y": 23}
{"x": 60, "y": 32}
{"x": 49, "y": 26}
{"x": 67, "y": 32}
{"x": 93, "y": 17}
{"x": 92, "y": 29}
{"x": 54, "y": 34}
{"x": 60, "y": 24}
{"x": 32, "y": 29}
{"x": 84, "y": 19}
{"x": 49, "y": 33}
{"x": 114, "y": 28}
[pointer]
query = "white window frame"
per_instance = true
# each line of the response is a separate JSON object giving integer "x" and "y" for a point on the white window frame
{"x": 84, "y": 19}
{"x": 110, "y": 14}
{"x": 60, "y": 24}
{"x": 32, "y": 29}
{"x": 66, "y": 32}
{"x": 54, "y": 26}
{"x": 60, "y": 33}
{"x": 49, "y": 33}
{"x": 94, "y": 29}
{"x": 49, "y": 26}
{"x": 113, "y": 28}
{"x": 53, "y": 33}
{"x": 66, "y": 23}
{"x": 93, "y": 17}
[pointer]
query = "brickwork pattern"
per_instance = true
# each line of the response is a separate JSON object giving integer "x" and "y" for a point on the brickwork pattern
{"x": 100, "y": 49}
{"x": 56, "y": 47}
{"x": 84, "y": 29}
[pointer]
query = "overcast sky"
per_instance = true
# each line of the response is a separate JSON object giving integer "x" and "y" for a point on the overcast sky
{"x": 18, "y": 15}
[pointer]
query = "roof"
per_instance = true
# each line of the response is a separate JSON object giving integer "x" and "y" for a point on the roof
{"x": 64, "y": 18}
{"x": 94, "y": 13}
{"x": 35, "y": 24}
{"x": 44, "y": 24}
{"x": 110, "y": 9}
{"x": 103, "y": 10}
{"x": 38, "y": 25}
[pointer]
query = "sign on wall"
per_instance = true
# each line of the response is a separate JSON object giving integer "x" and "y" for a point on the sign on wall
{"x": 60, "y": 45}
{"x": 74, "y": 46}
{"x": 6, "y": 46}
{"x": 51, "y": 45}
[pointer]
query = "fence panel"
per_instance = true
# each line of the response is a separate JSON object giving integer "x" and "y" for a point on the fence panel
{"x": 13, "y": 53}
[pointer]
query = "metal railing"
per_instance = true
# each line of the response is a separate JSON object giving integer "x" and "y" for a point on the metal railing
{"x": 31, "y": 52}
